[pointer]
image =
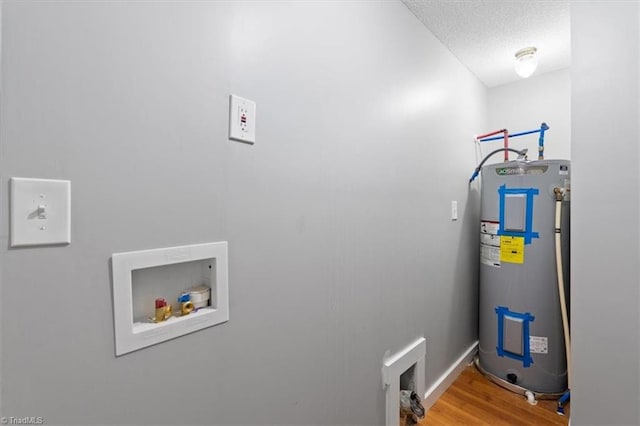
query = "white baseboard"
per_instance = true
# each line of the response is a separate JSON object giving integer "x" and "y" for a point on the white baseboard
{"x": 437, "y": 389}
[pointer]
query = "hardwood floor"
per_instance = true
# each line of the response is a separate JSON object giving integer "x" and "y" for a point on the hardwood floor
{"x": 474, "y": 400}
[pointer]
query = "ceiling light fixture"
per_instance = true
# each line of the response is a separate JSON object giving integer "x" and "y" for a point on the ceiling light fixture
{"x": 526, "y": 61}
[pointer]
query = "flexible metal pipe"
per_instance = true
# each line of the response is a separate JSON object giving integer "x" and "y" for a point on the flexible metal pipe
{"x": 522, "y": 152}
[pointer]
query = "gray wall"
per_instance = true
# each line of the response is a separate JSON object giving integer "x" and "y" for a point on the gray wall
{"x": 605, "y": 235}
{"x": 341, "y": 246}
{"x": 525, "y": 104}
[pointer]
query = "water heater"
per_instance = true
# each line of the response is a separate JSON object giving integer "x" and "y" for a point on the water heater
{"x": 521, "y": 340}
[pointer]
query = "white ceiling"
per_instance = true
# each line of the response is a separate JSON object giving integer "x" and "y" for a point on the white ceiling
{"x": 485, "y": 34}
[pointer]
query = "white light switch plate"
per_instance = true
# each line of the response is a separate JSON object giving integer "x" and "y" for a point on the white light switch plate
{"x": 242, "y": 119}
{"x": 40, "y": 212}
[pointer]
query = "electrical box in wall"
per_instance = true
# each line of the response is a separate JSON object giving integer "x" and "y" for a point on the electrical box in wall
{"x": 242, "y": 119}
{"x": 142, "y": 278}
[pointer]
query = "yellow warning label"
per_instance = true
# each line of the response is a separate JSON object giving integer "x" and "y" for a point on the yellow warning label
{"x": 512, "y": 249}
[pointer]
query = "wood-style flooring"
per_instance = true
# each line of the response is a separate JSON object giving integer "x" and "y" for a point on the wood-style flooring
{"x": 474, "y": 400}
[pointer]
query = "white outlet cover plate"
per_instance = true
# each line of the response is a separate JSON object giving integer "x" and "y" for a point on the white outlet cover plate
{"x": 53, "y": 199}
{"x": 242, "y": 119}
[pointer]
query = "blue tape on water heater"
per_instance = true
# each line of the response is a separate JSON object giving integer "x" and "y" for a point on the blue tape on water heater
{"x": 526, "y": 318}
{"x": 528, "y": 233}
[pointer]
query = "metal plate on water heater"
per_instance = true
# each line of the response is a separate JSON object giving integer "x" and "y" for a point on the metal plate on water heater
{"x": 513, "y": 335}
{"x": 515, "y": 211}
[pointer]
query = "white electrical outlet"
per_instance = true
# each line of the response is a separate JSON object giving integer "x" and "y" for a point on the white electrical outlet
{"x": 242, "y": 119}
{"x": 454, "y": 210}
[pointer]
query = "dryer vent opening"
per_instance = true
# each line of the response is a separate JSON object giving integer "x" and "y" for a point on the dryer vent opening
{"x": 404, "y": 368}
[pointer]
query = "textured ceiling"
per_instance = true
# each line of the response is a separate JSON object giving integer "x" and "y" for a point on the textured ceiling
{"x": 485, "y": 34}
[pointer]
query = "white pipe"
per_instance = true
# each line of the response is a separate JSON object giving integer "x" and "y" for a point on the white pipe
{"x": 531, "y": 398}
{"x": 563, "y": 303}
